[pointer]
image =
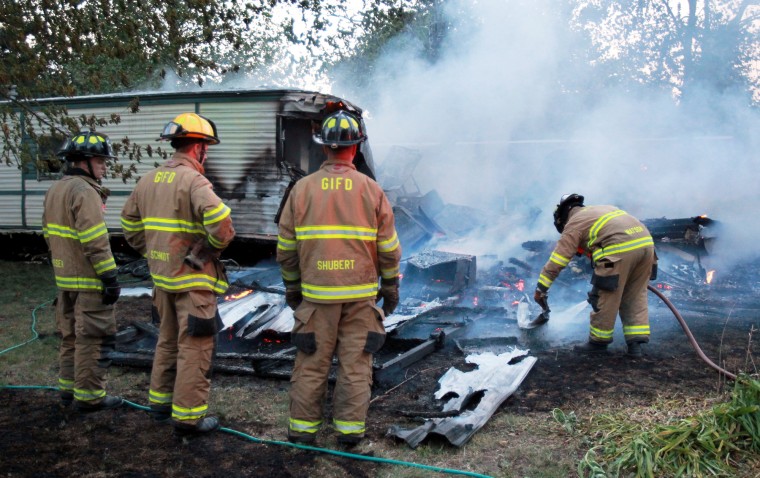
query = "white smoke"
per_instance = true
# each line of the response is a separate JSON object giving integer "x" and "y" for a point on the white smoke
{"x": 496, "y": 121}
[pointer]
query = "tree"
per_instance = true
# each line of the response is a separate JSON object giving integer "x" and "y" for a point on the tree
{"x": 77, "y": 47}
{"x": 683, "y": 45}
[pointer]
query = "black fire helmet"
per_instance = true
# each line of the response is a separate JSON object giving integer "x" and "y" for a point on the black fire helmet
{"x": 87, "y": 145}
{"x": 567, "y": 202}
{"x": 340, "y": 129}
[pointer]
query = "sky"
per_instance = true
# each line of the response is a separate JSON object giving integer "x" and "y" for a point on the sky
{"x": 494, "y": 134}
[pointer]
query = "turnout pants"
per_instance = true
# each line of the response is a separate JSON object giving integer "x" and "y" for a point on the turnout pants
{"x": 353, "y": 331}
{"x": 620, "y": 285}
{"x": 180, "y": 378}
{"x": 87, "y": 329}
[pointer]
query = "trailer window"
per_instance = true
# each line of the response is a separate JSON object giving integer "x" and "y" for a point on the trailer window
{"x": 45, "y": 165}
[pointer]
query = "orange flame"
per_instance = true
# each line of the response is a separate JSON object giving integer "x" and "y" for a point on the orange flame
{"x": 710, "y": 276}
{"x": 239, "y": 295}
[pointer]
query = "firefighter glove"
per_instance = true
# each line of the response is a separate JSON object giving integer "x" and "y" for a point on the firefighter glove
{"x": 293, "y": 296}
{"x": 389, "y": 293}
{"x": 541, "y": 297}
{"x": 111, "y": 290}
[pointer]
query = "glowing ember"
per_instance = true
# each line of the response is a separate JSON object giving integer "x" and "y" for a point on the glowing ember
{"x": 239, "y": 295}
{"x": 664, "y": 286}
{"x": 710, "y": 275}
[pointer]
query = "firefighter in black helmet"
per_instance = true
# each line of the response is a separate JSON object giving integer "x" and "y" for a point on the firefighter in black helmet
{"x": 622, "y": 252}
{"x": 85, "y": 272}
{"x": 336, "y": 238}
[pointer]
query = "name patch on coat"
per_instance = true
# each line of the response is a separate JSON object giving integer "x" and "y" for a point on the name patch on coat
{"x": 335, "y": 265}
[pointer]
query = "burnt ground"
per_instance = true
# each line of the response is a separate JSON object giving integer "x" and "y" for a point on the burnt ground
{"x": 41, "y": 439}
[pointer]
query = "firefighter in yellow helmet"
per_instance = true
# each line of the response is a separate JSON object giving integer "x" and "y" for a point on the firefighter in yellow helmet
{"x": 74, "y": 227}
{"x": 175, "y": 220}
{"x": 622, "y": 251}
{"x": 336, "y": 237}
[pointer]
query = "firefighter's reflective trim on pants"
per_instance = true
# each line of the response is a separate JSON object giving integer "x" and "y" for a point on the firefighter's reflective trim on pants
{"x": 60, "y": 231}
{"x": 65, "y": 385}
{"x": 78, "y": 283}
{"x": 390, "y": 273}
{"x": 336, "y": 232}
{"x": 104, "y": 266}
{"x": 93, "y": 233}
{"x": 160, "y": 398}
{"x": 349, "y": 428}
{"x": 605, "y": 335}
{"x": 544, "y": 281}
{"x": 623, "y": 247}
{"x": 560, "y": 260}
{"x": 389, "y": 245}
{"x": 339, "y": 292}
{"x": 215, "y": 215}
{"x": 593, "y": 233}
{"x": 195, "y": 413}
{"x": 88, "y": 395}
{"x": 303, "y": 426}
{"x": 636, "y": 329}
{"x": 190, "y": 281}
{"x": 290, "y": 275}
{"x": 286, "y": 244}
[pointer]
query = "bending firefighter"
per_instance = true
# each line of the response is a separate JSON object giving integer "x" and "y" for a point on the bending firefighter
{"x": 175, "y": 220}
{"x": 85, "y": 272}
{"x": 622, "y": 252}
{"x": 336, "y": 236}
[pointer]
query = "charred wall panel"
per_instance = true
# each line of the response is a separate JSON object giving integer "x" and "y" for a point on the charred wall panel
{"x": 243, "y": 166}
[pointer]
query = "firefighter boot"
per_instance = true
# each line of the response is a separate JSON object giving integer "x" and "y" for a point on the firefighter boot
{"x": 591, "y": 348}
{"x": 349, "y": 440}
{"x": 634, "y": 349}
{"x": 106, "y": 403}
{"x": 67, "y": 398}
{"x": 160, "y": 413}
{"x": 302, "y": 438}
{"x": 204, "y": 425}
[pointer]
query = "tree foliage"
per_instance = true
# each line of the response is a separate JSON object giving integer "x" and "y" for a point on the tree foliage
{"x": 683, "y": 45}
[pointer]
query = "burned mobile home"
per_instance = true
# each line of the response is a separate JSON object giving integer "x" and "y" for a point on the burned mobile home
{"x": 266, "y": 142}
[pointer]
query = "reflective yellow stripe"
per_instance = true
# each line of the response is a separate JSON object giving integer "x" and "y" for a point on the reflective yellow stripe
{"x": 159, "y": 398}
{"x": 597, "y": 226}
{"x": 623, "y": 247}
{"x": 336, "y": 232}
{"x": 180, "y": 413}
{"x": 93, "y": 233}
{"x": 636, "y": 330}
{"x": 166, "y": 224}
{"x": 560, "y": 260}
{"x": 389, "y": 245}
{"x": 602, "y": 334}
{"x": 290, "y": 275}
{"x": 88, "y": 395}
{"x": 348, "y": 428}
{"x": 65, "y": 385}
{"x": 339, "y": 292}
{"x": 303, "y": 426}
{"x": 215, "y": 215}
{"x": 545, "y": 281}
{"x": 104, "y": 266}
{"x": 61, "y": 231}
{"x": 286, "y": 244}
{"x": 389, "y": 273}
{"x": 132, "y": 226}
{"x": 190, "y": 281}
{"x": 83, "y": 283}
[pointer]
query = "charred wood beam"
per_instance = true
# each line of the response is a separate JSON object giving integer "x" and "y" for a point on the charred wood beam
{"x": 435, "y": 342}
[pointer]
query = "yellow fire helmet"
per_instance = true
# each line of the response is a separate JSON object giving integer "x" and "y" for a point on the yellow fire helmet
{"x": 190, "y": 126}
